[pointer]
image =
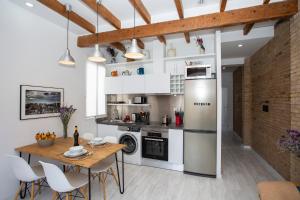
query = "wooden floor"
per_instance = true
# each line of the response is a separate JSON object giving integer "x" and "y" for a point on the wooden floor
{"x": 242, "y": 169}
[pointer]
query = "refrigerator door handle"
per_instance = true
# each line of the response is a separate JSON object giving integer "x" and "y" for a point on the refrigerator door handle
{"x": 200, "y": 131}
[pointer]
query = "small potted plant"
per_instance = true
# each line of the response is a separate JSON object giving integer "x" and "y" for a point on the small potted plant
{"x": 200, "y": 44}
{"x": 65, "y": 116}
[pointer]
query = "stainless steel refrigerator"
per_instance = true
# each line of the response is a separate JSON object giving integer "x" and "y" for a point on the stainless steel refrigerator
{"x": 200, "y": 126}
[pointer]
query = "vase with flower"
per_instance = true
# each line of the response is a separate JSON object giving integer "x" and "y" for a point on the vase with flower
{"x": 200, "y": 44}
{"x": 66, "y": 113}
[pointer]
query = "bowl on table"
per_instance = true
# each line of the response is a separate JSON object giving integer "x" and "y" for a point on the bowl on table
{"x": 45, "y": 139}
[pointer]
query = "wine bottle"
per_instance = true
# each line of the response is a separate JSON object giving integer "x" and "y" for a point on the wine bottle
{"x": 76, "y": 137}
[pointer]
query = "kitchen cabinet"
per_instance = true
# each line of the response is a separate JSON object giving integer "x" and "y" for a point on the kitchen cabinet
{"x": 138, "y": 84}
{"x": 114, "y": 85}
{"x": 157, "y": 84}
{"x": 176, "y": 146}
{"x": 134, "y": 84}
{"x": 107, "y": 130}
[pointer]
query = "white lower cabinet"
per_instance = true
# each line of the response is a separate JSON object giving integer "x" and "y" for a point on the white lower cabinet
{"x": 138, "y": 84}
{"x": 176, "y": 146}
{"x": 107, "y": 130}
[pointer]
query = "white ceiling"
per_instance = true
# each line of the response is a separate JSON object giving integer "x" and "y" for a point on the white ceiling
{"x": 159, "y": 11}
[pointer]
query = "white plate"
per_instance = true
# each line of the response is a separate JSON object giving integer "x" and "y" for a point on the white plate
{"x": 72, "y": 155}
{"x": 97, "y": 143}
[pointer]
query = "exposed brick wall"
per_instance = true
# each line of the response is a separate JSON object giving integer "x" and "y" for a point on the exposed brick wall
{"x": 237, "y": 101}
{"x": 269, "y": 72}
{"x": 247, "y": 103}
{"x": 295, "y": 88}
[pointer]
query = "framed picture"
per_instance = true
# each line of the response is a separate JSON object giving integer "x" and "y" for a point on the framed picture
{"x": 40, "y": 102}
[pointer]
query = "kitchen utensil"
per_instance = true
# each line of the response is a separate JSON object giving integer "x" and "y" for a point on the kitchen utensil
{"x": 126, "y": 73}
{"x": 114, "y": 73}
{"x": 140, "y": 71}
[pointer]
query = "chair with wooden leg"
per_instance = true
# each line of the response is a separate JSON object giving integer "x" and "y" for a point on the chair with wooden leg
{"x": 104, "y": 168}
{"x": 65, "y": 183}
{"x": 26, "y": 174}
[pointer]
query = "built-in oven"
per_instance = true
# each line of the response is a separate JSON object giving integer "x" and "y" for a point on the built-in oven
{"x": 198, "y": 71}
{"x": 155, "y": 144}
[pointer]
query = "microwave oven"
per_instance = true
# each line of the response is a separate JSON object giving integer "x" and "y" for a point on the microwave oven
{"x": 198, "y": 71}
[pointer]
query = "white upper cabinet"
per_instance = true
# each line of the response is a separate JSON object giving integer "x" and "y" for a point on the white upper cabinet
{"x": 157, "y": 84}
{"x": 134, "y": 84}
{"x": 114, "y": 85}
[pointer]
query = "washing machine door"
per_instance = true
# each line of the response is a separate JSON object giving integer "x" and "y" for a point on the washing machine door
{"x": 131, "y": 143}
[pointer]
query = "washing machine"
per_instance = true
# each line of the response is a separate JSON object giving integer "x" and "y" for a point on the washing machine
{"x": 131, "y": 137}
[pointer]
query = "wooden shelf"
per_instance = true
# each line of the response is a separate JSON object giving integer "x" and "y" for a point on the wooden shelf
{"x": 129, "y": 63}
{"x": 126, "y": 104}
{"x": 190, "y": 57}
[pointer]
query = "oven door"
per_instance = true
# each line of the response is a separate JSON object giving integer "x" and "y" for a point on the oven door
{"x": 196, "y": 72}
{"x": 155, "y": 148}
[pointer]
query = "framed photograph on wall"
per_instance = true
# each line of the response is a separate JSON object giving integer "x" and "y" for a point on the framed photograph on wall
{"x": 40, "y": 102}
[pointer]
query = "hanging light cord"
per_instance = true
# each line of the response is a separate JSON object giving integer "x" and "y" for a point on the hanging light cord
{"x": 99, "y": 2}
{"x": 134, "y": 20}
{"x": 68, "y": 28}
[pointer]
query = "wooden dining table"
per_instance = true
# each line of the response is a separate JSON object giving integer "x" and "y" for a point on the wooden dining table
{"x": 61, "y": 145}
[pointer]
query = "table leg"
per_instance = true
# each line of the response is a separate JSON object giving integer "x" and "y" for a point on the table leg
{"x": 120, "y": 188}
{"x": 90, "y": 192}
{"x": 22, "y": 196}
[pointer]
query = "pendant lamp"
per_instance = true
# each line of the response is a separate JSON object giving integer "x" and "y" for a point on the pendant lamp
{"x": 97, "y": 55}
{"x": 134, "y": 52}
{"x": 67, "y": 58}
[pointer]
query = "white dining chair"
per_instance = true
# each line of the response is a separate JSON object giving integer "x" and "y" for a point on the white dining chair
{"x": 65, "y": 183}
{"x": 104, "y": 168}
{"x": 26, "y": 174}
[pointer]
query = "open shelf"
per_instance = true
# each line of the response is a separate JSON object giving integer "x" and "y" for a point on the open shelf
{"x": 190, "y": 57}
{"x": 130, "y": 63}
{"x": 126, "y": 104}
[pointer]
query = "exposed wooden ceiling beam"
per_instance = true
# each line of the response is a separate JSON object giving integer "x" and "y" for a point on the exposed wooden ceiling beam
{"x": 140, "y": 43}
{"x": 140, "y": 7}
{"x": 118, "y": 45}
{"x": 74, "y": 17}
{"x": 104, "y": 12}
{"x": 179, "y": 8}
{"x": 248, "y": 27}
{"x": 216, "y": 20}
{"x": 109, "y": 17}
{"x": 223, "y": 5}
{"x": 187, "y": 37}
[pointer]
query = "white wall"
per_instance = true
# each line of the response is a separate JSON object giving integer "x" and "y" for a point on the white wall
{"x": 227, "y": 106}
{"x": 29, "y": 49}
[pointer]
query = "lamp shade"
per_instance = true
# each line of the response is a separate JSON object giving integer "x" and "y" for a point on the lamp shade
{"x": 134, "y": 52}
{"x": 97, "y": 55}
{"x": 66, "y": 58}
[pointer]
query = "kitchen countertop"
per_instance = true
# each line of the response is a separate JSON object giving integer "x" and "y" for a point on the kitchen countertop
{"x": 141, "y": 125}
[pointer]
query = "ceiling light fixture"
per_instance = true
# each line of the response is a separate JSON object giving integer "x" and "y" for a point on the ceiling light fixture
{"x": 97, "y": 55}
{"x": 30, "y": 5}
{"x": 240, "y": 45}
{"x": 66, "y": 58}
{"x": 134, "y": 52}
